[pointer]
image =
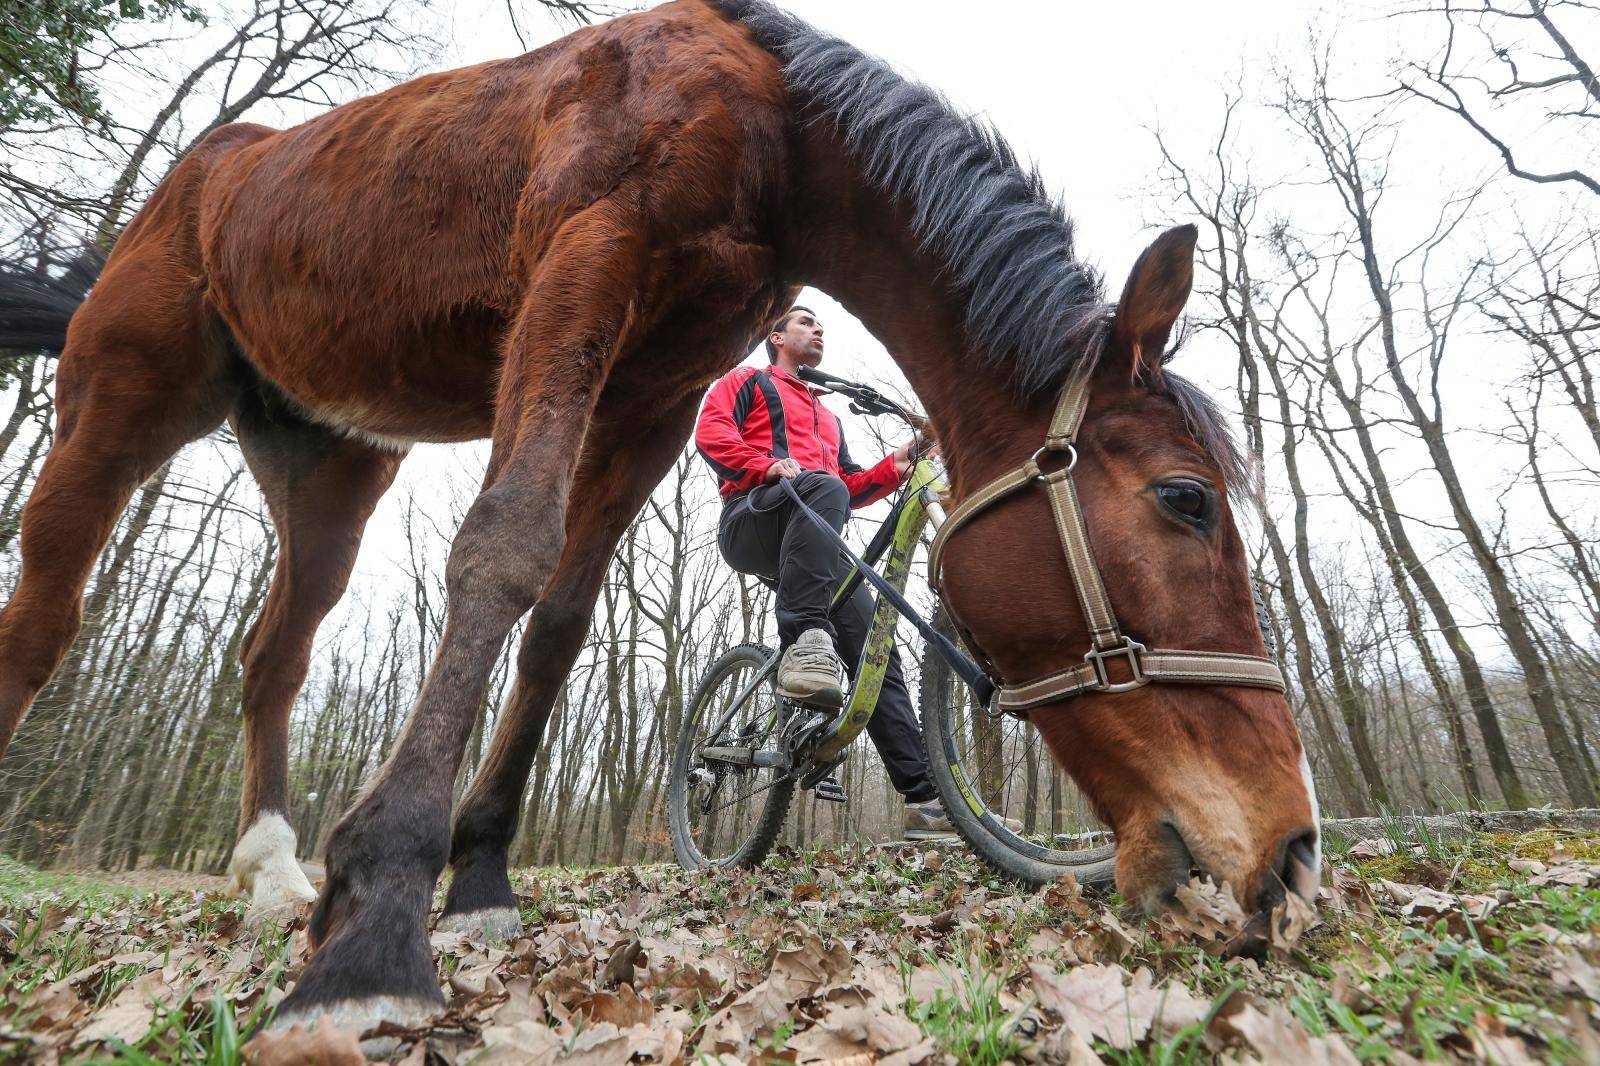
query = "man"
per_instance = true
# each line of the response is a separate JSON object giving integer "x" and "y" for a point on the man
{"x": 758, "y": 426}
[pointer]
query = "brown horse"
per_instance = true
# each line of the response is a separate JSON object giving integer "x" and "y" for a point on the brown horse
{"x": 561, "y": 251}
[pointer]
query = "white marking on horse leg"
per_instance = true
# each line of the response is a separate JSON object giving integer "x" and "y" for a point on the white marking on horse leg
{"x": 497, "y": 925}
{"x": 359, "y": 1015}
{"x": 265, "y": 868}
{"x": 1315, "y": 874}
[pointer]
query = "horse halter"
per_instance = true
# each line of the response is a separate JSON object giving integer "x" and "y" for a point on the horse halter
{"x": 1109, "y": 642}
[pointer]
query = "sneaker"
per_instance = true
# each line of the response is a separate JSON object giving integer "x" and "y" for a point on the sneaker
{"x": 928, "y": 821}
{"x": 811, "y": 671}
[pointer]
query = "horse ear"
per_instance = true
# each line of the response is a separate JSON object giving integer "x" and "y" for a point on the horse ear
{"x": 1157, "y": 289}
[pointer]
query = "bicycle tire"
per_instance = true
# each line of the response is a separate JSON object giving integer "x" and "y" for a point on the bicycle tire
{"x": 1006, "y": 853}
{"x": 755, "y": 848}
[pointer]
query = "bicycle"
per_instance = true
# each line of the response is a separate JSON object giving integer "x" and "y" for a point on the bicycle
{"x": 743, "y": 749}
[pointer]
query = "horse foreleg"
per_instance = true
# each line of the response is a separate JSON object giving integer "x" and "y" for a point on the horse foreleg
{"x": 370, "y": 925}
{"x": 321, "y": 488}
{"x": 620, "y": 468}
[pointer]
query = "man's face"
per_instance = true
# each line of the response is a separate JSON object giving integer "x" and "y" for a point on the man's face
{"x": 801, "y": 339}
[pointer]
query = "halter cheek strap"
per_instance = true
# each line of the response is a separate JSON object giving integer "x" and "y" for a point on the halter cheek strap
{"x": 1108, "y": 642}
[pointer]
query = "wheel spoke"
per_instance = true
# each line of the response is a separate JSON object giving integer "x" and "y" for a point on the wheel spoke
{"x": 728, "y": 796}
{"x": 1012, "y": 774}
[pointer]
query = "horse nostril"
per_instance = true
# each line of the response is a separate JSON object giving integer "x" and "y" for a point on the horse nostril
{"x": 1305, "y": 856}
{"x": 1180, "y": 861}
{"x": 1298, "y": 869}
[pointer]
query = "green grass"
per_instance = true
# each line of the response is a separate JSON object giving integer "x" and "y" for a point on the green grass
{"x": 970, "y": 1024}
{"x": 18, "y": 880}
{"x": 37, "y": 948}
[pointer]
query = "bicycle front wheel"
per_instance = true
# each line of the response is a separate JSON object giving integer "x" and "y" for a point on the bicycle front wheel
{"x": 722, "y": 813}
{"x": 1003, "y": 792}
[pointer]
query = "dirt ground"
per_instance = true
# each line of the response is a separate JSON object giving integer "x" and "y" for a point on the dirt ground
{"x": 155, "y": 880}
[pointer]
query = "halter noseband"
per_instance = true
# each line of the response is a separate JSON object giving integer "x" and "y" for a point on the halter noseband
{"x": 1146, "y": 665}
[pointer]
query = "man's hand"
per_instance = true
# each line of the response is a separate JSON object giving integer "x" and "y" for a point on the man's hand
{"x": 784, "y": 468}
{"x": 924, "y": 448}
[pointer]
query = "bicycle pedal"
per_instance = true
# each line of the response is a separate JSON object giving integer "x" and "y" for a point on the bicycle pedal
{"x": 831, "y": 791}
{"x": 828, "y": 699}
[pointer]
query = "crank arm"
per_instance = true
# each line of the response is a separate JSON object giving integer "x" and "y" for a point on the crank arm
{"x": 745, "y": 757}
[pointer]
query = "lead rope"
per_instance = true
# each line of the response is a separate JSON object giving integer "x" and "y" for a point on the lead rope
{"x": 1106, "y": 639}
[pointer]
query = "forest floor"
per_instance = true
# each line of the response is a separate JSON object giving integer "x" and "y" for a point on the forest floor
{"x": 1480, "y": 949}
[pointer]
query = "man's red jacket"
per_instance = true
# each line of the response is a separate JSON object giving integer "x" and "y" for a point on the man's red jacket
{"x": 752, "y": 418}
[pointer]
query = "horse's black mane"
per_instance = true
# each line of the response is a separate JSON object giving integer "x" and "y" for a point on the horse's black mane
{"x": 1033, "y": 310}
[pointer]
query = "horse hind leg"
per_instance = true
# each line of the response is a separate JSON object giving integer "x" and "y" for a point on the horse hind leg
{"x": 321, "y": 487}
{"x": 140, "y": 376}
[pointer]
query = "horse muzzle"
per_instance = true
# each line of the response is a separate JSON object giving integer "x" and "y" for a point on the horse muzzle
{"x": 1292, "y": 866}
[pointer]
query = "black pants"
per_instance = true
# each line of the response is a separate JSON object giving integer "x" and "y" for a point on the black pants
{"x": 761, "y": 533}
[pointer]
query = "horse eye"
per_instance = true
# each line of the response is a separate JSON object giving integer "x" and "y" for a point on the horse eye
{"x": 1188, "y": 499}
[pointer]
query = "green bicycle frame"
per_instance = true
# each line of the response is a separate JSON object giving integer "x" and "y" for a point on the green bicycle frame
{"x": 924, "y": 487}
{"x": 915, "y": 512}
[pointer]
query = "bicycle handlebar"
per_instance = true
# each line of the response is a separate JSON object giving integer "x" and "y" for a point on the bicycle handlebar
{"x": 818, "y": 377}
{"x": 864, "y": 399}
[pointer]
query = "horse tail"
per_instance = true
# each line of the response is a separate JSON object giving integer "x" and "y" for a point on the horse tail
{"x": 35, "y": 306}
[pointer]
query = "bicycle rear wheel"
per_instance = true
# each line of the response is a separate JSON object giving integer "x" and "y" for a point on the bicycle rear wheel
{"x": 989, "y": 770}
{"x": 720, "y": 813}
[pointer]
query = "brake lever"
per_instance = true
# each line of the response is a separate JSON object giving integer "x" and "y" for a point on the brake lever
{"x": 870, "y": 402}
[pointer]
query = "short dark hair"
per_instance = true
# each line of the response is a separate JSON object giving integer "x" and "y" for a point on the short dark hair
{"x": 781, "y": 325}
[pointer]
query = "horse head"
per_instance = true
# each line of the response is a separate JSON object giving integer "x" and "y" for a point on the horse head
{"x": 1193, "y": 777}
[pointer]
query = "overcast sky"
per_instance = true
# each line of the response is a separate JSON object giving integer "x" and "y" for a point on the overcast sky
{"x": 1077, "y": 88}
{"x": 1073, "y": 86}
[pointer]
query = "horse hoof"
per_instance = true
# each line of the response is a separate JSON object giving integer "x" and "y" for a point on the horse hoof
{"x": 264, "y": 868}
{"x": 262, "y": 914}
{"x": 497, "y": 925}
{"x": 277, "y": 901}
{"x": 359, "y": 1016}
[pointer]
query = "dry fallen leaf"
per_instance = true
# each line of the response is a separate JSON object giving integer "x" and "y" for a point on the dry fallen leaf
{"x": 1064, "y": 891}
{"x": 526, "y": 1043}
{"x": 620, "y": 967}
{"x": 1274, "y": 1035}
{"x": 865, "y": 1029}
{"x": 647, "y": 965}
{"x": 324, "y": 1045}
{"x": 1206, "y": 912}
{"x": 126, "y": 1021}
{"x": 623, "y": 1009}
{"x": 1063, "y": 1046}
{"x": 1428, "y": 903}
{"x": 1491, "y": 1043}
{"x": 1099, "y": 1001}
{"x": 1372, "y": 849}
{"x": 1574, "y": 874}
{"x": 602, "y": 1045}
{"x": 801, "y": 970}
{"x": 1572, "y": 970}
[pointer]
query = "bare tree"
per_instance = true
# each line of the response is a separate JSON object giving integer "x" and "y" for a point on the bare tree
{"x": 1508, "y": 65}
{"x": 1346, "y": 152}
